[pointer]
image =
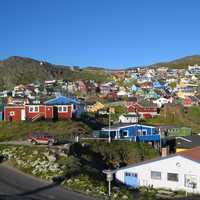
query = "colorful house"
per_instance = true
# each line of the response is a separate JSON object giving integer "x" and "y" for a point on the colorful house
{"x": 58, "y": 108}
{"x": 144, "y": 112}
{"x": 134, "y": 132}
{"x": 14, "y": 113}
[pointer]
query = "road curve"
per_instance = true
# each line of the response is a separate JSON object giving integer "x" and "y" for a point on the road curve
{"x": 18, "y": 186}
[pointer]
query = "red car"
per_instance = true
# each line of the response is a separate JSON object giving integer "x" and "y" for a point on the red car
{"x": 41, "y": 138}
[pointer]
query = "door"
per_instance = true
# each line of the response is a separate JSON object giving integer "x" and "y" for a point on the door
{"x": 55, "y": 113}
{"x": 23, "y": 117}
{"x": 131, "y": 179}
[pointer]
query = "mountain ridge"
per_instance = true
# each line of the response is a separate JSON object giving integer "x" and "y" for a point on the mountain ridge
{"x": 23, "y": 70}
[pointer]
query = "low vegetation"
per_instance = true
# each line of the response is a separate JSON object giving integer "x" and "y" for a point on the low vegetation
{"x": 62, "y": 129}
{"x": 178, "y": 115}
{"x": 82, "y": 165}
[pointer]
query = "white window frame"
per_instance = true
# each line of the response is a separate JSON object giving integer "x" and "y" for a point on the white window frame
{"x": 12, "y": 113}
{"x": 34, "y": 109}
{"x": 174, "y": 174}
{"x": 62, "y": 109}
{"x": 141, "y": 131}
{"x": 156, "y": 177}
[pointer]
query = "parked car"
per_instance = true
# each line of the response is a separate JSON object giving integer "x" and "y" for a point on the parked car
{"x": 41, "y": 138}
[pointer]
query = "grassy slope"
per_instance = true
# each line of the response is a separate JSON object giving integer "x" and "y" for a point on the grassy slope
{"x": 66, "y": 129}
{"x": 181, "y": 63}
{"x": 20, "y": 70}
{"x": 177, "y": 116}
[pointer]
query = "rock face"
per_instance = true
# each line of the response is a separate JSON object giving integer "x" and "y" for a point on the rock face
{"x": 21, "y": 70}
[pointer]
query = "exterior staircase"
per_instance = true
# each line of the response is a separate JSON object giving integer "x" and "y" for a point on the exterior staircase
{"x": 36, "y": 117}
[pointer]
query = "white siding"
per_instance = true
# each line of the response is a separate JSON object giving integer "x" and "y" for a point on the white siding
{"x": 176, "y": 164}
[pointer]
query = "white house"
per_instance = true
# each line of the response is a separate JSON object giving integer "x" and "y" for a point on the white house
{"x": 161, "y": 101}
{"x": 176, "y": 172}
{"x": 129, "y": 118}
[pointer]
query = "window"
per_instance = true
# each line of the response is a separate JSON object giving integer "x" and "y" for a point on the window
{"x": 172, "y": 177}
{"x": 59, "y": 108}
{"x": 34, "y": 109}
{"x": 131, "y": 174}
{"x": 125, "y": 133}
{"x": 12, "y": 113}
{"x": 142, "y": 132}
{"x": 62, "y": 108}
{"x": 156, "y": 175}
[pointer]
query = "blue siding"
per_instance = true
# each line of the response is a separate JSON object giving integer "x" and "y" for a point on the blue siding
{"x": 1, "y": 116}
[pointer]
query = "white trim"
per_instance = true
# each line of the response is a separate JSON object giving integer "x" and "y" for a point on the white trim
{"x": 126, "y": 132}
{"x": 34, "y": 111}
{"x": 62, "y": 108}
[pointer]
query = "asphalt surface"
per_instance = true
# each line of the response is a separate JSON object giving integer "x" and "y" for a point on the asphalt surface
{"x": 18, "y": 186}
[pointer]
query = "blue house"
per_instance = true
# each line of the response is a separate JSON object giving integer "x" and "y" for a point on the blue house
{"x": 157, "y": 85}
{"x": 134, "y": 88}
{"x": 135, "y": 132}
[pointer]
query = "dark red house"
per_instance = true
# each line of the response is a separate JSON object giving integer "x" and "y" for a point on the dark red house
{"x": 144, "y": 112}
{"x": 14, "y": 113}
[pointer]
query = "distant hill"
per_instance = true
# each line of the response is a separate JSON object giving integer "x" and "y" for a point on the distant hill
{"x": 181, "y": 63}
{"x": 16, "y": 70}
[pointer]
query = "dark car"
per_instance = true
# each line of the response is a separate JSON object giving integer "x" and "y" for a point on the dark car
{"x": 41, "y": 138}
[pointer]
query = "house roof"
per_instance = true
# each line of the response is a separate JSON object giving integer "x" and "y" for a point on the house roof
{"x": 191, "y": 154}
{"x": 188, "y": 142}
{"x": 61, "y": 100}
{"x": 122, "y": 125}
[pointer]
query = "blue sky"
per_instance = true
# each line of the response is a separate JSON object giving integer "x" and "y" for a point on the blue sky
{"x": 110, "y": 33}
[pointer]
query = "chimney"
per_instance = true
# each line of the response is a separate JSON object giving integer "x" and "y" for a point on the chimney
{"x": 165, "y": 151}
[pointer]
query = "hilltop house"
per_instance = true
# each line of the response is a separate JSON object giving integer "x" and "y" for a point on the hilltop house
{"x": 179, "y": 171}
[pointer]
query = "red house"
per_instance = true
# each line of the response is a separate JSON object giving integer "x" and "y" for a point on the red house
{"x": 14, "y": 113}
{"x": 144, "y": 112}
{"x": 34, "y": 112}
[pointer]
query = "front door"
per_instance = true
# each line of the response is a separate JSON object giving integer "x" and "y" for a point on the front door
{"x": 55, "y": 113}
{"x": 131, "y": 179}
{"x": 23, "y": 117}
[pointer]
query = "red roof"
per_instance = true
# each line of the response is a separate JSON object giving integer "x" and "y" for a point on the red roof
{"x": 193, "y": 154}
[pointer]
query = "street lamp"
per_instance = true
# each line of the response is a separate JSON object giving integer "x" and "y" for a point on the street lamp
{"x": 109, "y": 178}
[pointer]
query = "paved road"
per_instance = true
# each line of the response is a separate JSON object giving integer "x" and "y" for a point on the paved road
{"x": 18, "y": 186}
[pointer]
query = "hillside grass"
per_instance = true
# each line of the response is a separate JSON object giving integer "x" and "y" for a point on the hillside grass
{"x": 62, "y": 129}
{"x": 177, "y": 116}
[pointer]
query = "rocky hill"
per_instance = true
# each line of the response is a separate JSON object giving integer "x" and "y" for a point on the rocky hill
{"x": 181, "y": 63}
{"x": 16, "y": 70}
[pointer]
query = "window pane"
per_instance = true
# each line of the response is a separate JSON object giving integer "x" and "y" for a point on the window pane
{"x": 31, "y": 109}
{"x": 36, "y": 109}
{"x": 125, "y": 133}
{"x": 64, "y": 108}
{"x": 172, "y": 177}
{"x": 60, "y": 109}
{"x": 156, "y": 175}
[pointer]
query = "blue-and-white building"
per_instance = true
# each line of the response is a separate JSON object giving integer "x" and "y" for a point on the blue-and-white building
{"x": 134, "y": 132}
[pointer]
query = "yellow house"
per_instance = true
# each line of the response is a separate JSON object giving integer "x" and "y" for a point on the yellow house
{"x": 183, "y": 94}
{"x": 95, "y": 107}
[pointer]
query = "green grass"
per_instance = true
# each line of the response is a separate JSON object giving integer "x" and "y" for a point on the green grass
{"x": 63, "y": 129}
{"x": 177, "y": 116}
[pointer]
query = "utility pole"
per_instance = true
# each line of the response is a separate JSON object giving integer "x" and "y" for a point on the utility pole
{"x": 109, "y": 136}
{"x": 109, "y": 178}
